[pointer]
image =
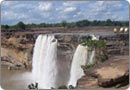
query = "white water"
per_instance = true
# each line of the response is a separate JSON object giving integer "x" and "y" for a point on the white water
{"x": 91, "y": 59}
{"x": 92, "y": 56}
{"x": 79, "y": 59}
{"x": 44, "y": 61}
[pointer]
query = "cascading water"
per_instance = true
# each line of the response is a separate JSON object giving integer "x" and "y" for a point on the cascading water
{"x": 44, "y": 64}
{"x": 80, "y": 58}
{"x": 92, "y": 56}
{"x": 91, "y": 59}
{"x": 44, "y": 61}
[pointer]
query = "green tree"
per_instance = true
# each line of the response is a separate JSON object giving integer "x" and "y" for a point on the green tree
{"x": 21, "y": 25}
{"x": 64, "y": 23}
{"x": 109, "y": 22}
{"x": 83, "y": 23}
{"x": 62, "y": 87}
{"x": 6, "y": 27}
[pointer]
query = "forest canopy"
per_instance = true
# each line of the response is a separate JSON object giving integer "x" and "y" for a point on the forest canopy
{"x": 82, "y": 23}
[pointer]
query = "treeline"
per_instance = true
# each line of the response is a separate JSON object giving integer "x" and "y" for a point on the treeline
{"x": 65, "y": 24}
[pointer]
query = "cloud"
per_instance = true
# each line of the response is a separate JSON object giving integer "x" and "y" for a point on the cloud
{"x": 56, "y": 11}
{"x": 45, "y": 6}
{"x": 70, "y": 9}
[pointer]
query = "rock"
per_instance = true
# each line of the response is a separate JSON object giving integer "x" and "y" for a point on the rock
{"x": 87, "y": 82}
{"x": 17, "y": 66}
{"x": 71, "y": 87}
{"x": 113, "y": 73}
{"x": 7, "y": 59}
{"x": 12, "y": 63}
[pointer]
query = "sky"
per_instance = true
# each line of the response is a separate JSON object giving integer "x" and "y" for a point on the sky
{"x": 56, "y": 11}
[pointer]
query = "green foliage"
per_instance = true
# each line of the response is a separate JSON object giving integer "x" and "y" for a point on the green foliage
{"x": 87, "y": 66}
{"x": 5, "y": 27}
{"x": 20, "y": 25}
{"x": 90, "y": 65}
{"x": 98, "y": 44}
{"x": 64, "y": 23}
{"x": 81, "y": 23}
{"x": 100, "y": 47}
{"x": 102, "y": 58}
{"x": 62, "y": 87}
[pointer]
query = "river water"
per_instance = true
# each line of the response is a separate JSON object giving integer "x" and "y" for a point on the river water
{"x": 15, "y": 79}
{"x": 20, "y": 79}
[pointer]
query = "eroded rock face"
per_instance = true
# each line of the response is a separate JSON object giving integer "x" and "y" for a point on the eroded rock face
{"x": 113, "y": 72}
{"x": 87, "y": 81}
{"x": 16, "y": 50}
{"x": 19, "y": 48}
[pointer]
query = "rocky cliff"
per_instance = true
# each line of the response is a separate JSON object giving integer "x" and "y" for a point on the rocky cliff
{"x": 113, "y": 73}
{"x": 17, "y": 49}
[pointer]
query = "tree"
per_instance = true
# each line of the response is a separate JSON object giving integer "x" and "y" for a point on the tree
{"x": 64, "y": 23}
{"x": 21, "y": 25}
{"x": 83, "y": 23}
{"x": 6, "y": 27}
{"x": 109, "y": 22}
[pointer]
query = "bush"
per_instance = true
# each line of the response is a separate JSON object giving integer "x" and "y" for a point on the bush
{"x": 20, "y": 25}
{"x": 87, "y": 66}
{"x": 102, "y": 58}
{"x": 62, "y": 87}
{"x": 98, "y": 44}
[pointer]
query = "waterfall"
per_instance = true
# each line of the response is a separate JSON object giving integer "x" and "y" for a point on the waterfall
{"x": 44, "y": 68}
{"x": 79, "y": 58}
{"x": 92, "y": 56}
{"x": 91, "y": 59}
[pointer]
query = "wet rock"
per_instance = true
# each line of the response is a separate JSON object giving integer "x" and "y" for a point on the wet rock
{"x": 65, "y": 51}
{"x": 71, "y": 87}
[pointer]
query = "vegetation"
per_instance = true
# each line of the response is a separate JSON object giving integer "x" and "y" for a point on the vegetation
{"x": 102, "y": 58}
{"x": 62, "y": 87}
{"x": 87, "y": 66}
{"x": 97, "y": 44}
{"x": 5, "y": 27}
{"x": 65, "y": 24}
{"x": 100, "y": 50}
{"x": 20, "y": 25}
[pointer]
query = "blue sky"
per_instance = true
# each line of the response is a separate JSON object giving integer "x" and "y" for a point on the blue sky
{"x": 56, "y": 11}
